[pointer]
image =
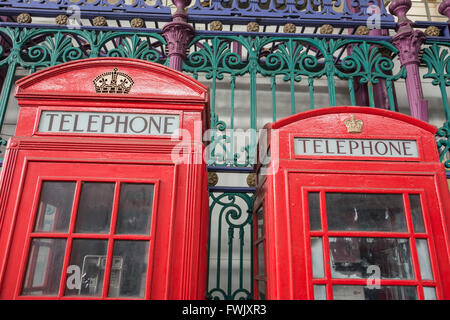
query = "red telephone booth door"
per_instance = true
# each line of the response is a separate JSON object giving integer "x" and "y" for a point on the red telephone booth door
{"x": 90, "y": 233}
{"x": 369, "y": 237}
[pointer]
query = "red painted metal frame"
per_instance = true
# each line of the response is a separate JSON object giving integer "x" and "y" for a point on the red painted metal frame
{"x": 177, "y": 251}
{"x": 283, "y": 194}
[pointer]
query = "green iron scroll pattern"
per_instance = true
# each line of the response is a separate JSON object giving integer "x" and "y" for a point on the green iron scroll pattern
{"x": 291, "y": 58}
{"x": 35, "y": 49}
{"x": 437, "y": 59}
{"x": 443, "y": 144}
{"x": 229, "y": 271}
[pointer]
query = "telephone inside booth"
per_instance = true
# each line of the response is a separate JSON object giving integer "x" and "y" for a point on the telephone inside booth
{"x": 93, "y": 271}
{"x": 353, "y": 205}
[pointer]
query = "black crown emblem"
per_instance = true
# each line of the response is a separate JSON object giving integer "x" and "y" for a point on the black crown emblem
{"x": 113, "y": 82}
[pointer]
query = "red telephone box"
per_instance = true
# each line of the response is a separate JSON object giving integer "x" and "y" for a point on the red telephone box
{"x": 351, "y": 203}
{"x": 104, "y": 188}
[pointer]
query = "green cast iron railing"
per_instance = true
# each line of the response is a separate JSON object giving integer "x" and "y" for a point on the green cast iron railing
{"x": 230, "y": 247}
{"x": 297, "y": 61}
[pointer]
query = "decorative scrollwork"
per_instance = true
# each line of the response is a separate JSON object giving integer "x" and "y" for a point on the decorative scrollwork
{"x": 437, "y": 59}
{"x": 36, "y": 48}
{"x": 287, "y": 9}
{"x": 291, "y": 58}
{"x": 135, "y": 47}
{"x": 367, "y": 62}
{"x": 230, "y": 221}
{"x": 443, "y": 144}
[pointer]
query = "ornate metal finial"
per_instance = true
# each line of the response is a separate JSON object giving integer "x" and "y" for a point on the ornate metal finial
{"x": 113, "y": 82}
{"x": 289, "y": 28}
{"x": 432, "y": 31}
{"x": 252, "y": 27}
{"x": 213, "y": 178}
{"x": 61, "y": 19}
{"x": 354, "y": 125}
{"x": 24, "y": 18}
{"x": 215, "y": 25}
{"x": 137, "y": 23}
{"x": 362, "y": 31}
{"x": 326, "y": 29}
{"x": 251, "y": 180}
{"x": 100, "y": 21}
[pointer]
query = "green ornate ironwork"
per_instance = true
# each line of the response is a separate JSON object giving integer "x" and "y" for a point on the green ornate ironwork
{"x": 231, "y": 223}
{"x": 291, "y": 58}
{"x": 443, "y": 144}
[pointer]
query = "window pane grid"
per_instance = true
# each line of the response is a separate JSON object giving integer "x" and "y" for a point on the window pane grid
{"x": 111, "y": 237}
{"x": 408, "y": 234}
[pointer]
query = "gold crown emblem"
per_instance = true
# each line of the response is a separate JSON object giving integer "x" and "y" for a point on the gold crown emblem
{"x": 354, "y": 125}
{"x": 113, "y": 82}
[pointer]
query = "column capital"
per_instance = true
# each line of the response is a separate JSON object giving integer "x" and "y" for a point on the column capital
{"x": 408, "y": 43}
{"x": 178, "y": 34}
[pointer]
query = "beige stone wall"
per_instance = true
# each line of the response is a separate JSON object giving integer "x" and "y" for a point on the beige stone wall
{"x": 425, "y": 10}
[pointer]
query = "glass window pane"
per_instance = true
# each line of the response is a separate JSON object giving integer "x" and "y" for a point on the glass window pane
{"x": 429, "y": 293}
{"x": 262, "y": 290}
{"x": 365, "y": 212}
{"x": 135, "y": 208}
{"x": 89, "y": 256}
{"x": 55, "y": 206}
{"x": 416, "y": 213}
{"x": 320, "y": 292}
{"x": 348, "y": 292}
{"x": 314, "y": 211}
{"x": 129, "y": 269}
{"x": 317, "y": 257}
{"x": 355, "y": 257}
{"x": 424, "y": 259}
{"x": 45, "y": 262}
{"x": 260, "y": 249}
{"x": 260, "y": 224}
{"x": 95, "y": 207}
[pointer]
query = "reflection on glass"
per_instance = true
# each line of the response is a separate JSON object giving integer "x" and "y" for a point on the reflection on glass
{"x": 352, "y": 257}
{"x": 135, "y": 208}
{"x": 424, "y": 259}
{"x": 320, "y": 292}
{"x": 129, "y": 269}
{"x": 349, "y": 292}
{"x": 416, "y": 213}
{"x": 55, "y": 206}
{"x": 90, "y": 257}
{"x": 45, "y": 263}
{"x": 314, "y": 211}
{"x": 262, "y": 290}
{"x": 95, "y": 207}
{"x": 429, "y": 293}
{"x": 365, "y": 212}
{"x": 260, "y": 225}
{"x": 260, "y": 249}
{"x": 317, "y": 257}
